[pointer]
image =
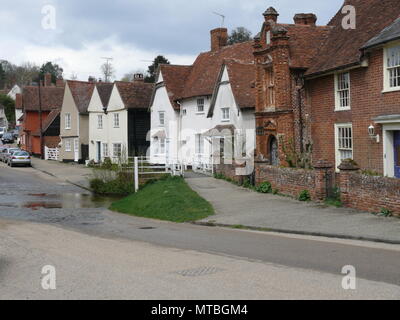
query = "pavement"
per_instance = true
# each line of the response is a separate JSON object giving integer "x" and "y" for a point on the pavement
{"x": 73, "y": 173}
{"x": 240, "y": 207}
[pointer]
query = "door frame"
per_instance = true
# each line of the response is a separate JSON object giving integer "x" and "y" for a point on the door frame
{"x": 76, "y": 149}
{"x": 388, "y": 148}
{"x": 98, "y": 151}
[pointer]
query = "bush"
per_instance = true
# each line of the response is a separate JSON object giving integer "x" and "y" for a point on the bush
{"x": 335, "y": 199}
{"x": 305, "y": 196}
{"x": 265, "y": 187}
{"x": 386, "y": 213}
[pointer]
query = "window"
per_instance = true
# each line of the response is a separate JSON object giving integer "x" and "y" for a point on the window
{"x": 392, "y": 75}
{"x": 199, "y": 144}
{"x": 67, "y": 145}
{"x": 184, "y": 112}
{"x": 200, "y": 105}
{"x": 268, "y": 37}
{"x": 162, "y": 118}
{"x": 162, "y": 146}
{"x": 105, "y": 150}
{"x": 67, "y": 121}
{"x": 225, "y": 114}
{"x": 116, "y": 120}
{"x": 117, "y": 150}
{"x": 270, "y": 81}
{"x": 344, "y": 142}
{"x": 342, "y": 84}
{"x": 99, "y": 122}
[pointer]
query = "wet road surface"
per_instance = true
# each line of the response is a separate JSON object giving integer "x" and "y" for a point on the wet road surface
{"x": 26, "y": 195}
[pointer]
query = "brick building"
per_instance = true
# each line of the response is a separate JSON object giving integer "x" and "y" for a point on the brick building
{"x": 38, "y": 110}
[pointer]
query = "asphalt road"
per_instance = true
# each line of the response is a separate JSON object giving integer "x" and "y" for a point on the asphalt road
{"x": 27, "y": 197}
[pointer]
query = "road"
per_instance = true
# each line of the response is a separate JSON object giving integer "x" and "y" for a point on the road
{"x": 103, "y": 255}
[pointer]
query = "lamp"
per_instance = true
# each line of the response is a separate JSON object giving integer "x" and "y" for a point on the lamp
{"x": 105, "y": 110}
{"x": 371, "y": 133}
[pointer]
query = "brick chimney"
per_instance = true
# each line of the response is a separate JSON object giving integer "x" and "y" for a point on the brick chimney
{"x": 47, "y": 80}
{"x": 219, "y": 38}
{"x": 271, "y": 14}
{"x": 305, "y": 19}
{"x": 138, "y": 77}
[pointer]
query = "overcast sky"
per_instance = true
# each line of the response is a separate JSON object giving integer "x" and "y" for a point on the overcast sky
{"x": 130, "y": 31}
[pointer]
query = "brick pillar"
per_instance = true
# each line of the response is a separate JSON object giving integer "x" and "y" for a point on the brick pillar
{"x": 323, "y": 169}
{"x": 347, "y": 168}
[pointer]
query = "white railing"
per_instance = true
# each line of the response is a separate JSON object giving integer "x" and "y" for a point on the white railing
{"x": 52, "y": 154}
{"x": 142, "y": 167}
{"x": 203, "y": 164}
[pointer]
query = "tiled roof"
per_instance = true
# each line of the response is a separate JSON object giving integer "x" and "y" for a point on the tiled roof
{"x": 174, "y": 80}
{"x": 47, "y": 122}
{"x": 388, "y": 34}
{"x": 104, "y": 90}
{"x": 206, "y": 68}
{"x": 51, "y": 97}
{"x": 135, "y": 94}
{"x": 242, "y": 80}
{"x": 82, "y": 93}
{"x": 342, "y": 47}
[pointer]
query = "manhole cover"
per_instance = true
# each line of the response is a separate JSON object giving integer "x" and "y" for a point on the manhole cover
{"x": 199, "y": 272}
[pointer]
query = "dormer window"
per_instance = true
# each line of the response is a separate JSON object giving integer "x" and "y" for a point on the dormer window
{"x": 392, "y": 68}
{"x": 161, "y": 116}
{"x": 200, "y": 105}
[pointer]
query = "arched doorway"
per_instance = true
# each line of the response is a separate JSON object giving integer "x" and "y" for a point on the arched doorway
{"x": 273, "y": 151}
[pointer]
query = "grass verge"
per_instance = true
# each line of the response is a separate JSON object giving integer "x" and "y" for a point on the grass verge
{"x": 169, "y": 199}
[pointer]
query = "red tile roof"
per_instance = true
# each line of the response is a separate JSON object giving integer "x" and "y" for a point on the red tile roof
{"x": 174, "y": 78}
{"x": 51, "y": 98}
{"x": 342, "y": 48}
{"x": 135, "y": 94}
{"x": 205, "y": 70}
{"x": 82, "y": 93}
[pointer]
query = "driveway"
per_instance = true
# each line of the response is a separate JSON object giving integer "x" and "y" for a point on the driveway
{"x": 237, "y": 206}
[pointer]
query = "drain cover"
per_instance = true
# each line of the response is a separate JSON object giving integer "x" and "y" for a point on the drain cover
{"x": 147, "y": 228}
{"x": 199, "y": 272}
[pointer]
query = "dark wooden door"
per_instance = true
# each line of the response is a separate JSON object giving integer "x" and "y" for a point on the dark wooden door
{"x": 397, "y": 154}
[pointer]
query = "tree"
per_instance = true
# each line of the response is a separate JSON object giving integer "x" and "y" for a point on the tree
{"x": 108, "y": 71}
{"x": 2, "y": 76}
{"x": 9, "y": 108}
{"x": 54, "y": 69}
{"x": 239, "y": 35}
{"x": 26, "y": 73}
{"x": 151, "y": 76}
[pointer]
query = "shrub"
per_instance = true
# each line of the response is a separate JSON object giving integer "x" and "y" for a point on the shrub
{"x": 265, "y": 187}
{"x": 305, "y": 196}
{"x": 386, "y": 213}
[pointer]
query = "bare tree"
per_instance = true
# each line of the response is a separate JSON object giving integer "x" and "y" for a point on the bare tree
{"x": 108, "y": 70}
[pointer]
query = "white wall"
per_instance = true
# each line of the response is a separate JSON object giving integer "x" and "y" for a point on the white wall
{"x": 162, "y": 103}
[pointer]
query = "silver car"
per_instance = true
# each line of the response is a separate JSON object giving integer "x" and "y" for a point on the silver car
{"x": 7, "y": 153}
{"x": 19, "y": 158}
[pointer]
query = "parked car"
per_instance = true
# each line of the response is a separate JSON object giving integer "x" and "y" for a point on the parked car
{"x": 15, "y": 133}
{"x": 7, "y": 152}
{"x": 8, "y": 138}
{"x": 2, "y": 131}
{"x": 20, "y": 158}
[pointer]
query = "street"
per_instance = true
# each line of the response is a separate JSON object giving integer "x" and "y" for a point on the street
{"x": 98, "y": 254}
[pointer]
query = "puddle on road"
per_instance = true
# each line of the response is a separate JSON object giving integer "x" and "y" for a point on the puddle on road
{"x": 67, "y": 201}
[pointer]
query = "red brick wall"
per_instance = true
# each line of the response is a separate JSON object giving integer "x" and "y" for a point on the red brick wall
{"x": 360, "y": 192}
{"x": 367, "y": 102}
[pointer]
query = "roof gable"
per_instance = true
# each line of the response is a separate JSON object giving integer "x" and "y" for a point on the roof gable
{"x": 81, "y": 93}
{"x": 136, "y": 94}
{"x": 51, "y": 98}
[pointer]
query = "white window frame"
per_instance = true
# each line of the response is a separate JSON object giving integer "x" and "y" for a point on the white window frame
{"x": 268, "y": 37}
{"x": 223, "y": 118}
{"x": 100, "y": 121}
{"x": 104, "y": 150}
{"x": 338, "y": 90}
{"x": 116, "y": 121}
{"x": 68, "y": 146}
{"x": 199, "y": 144}
{"x": 67, "y": 121}
{"x": 113, "y": 149}
{"x": 343, "y": 146}
{"x": 201, "y": 107}
{"x": 386, "y": 69}
{"x": 161, "y": 118}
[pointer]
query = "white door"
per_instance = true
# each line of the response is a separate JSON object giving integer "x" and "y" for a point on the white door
{"x": 76, "y": 150}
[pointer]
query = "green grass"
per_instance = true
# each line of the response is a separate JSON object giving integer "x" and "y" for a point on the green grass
{"x": 169, "y": 199}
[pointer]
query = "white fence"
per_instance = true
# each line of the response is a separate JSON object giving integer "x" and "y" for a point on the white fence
{"x": 142, "y": 167}
{"x": 203, "y": 164}
{"x": 52, "y": 154}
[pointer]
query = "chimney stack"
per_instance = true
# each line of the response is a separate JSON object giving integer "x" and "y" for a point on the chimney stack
{"x": 47, "y": 80}
{"x": 219, "y": 38}
{"x": 271, "y": 14}
{"x": 138, "y": 77}
{"x": 309, "y": 19}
